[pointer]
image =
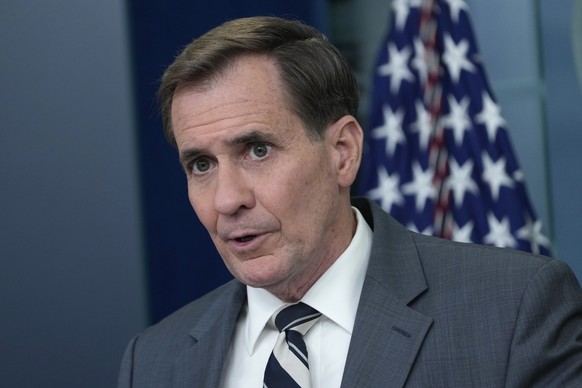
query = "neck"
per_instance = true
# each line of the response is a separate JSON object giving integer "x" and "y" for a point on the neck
{"x": 296, "y": 288}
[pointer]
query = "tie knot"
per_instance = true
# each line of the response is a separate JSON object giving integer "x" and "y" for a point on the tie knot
{"x": 299, "y": 317}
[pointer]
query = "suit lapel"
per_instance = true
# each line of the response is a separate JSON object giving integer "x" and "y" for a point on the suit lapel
{"x": 385, "y": 342}
{"x": 387, "y": 333}
{"x": 200, "y": 365}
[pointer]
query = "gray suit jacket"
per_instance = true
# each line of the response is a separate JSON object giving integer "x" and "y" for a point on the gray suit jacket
{"x": 432, "y": 313}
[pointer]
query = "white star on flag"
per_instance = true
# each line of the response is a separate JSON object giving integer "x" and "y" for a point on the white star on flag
{"x": 455, "y": 57}
{"x": 387, "y": 191}
{"x": 532, "y": 232}
{"x": 420, "y": 61}
{"x": 426, "y": 231}
{"x": 499, "y": 232}
{"x": 397, "y": 67}
{"x": 422, "y": 125}
{"x": 421, "y": 186}
{"x": 401, "y": 9}
{"x": 494, "y": 174}
{"x": 463, "y": 234}
{"x": 456, "y": 6}
{"x": 460, "y": 181}
{"x": 391, "y": 130}
{"x": 458, "y": 119}
{"x": 490, "y": 116}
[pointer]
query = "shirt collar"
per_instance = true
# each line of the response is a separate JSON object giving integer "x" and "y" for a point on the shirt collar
{"x": 335, "y": 294}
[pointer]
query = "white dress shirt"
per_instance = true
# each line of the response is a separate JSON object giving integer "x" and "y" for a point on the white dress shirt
{"x": 336, "y": 295}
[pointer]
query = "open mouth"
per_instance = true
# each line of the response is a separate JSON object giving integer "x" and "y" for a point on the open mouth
{"x": 245, "y": 238}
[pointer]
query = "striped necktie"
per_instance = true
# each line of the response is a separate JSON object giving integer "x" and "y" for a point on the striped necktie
{"x": 287, "y": 366}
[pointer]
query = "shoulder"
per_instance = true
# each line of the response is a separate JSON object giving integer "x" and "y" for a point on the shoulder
{"x": 515, "y": 311}
{"x": 494, "y": 281}
{"x": 199, "y": 313}
{"x": 149, "y": 358}
{"x": 453, "y": 269}
{"x": 465, "y": 256}
{"x": 448, "y": 258}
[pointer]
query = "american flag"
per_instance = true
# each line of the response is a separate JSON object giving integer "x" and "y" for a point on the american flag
{"x": 437, "y": 154}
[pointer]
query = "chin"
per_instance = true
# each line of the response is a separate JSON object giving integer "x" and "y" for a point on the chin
{"x": 261, "y": 272}
{"x": 258, "y": 281}
{"x": 262, "y": 279}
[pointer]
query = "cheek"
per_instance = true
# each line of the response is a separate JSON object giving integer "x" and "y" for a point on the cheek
{"x": 301, "y": 193}
{"x": 202, "y": 205}
{"x": 289, "y": 186}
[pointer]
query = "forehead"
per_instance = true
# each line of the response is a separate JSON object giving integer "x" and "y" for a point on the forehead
{"x": 248, "y": 92}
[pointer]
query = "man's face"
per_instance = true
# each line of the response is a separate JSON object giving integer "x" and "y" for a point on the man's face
{"x": 267, "y": 194}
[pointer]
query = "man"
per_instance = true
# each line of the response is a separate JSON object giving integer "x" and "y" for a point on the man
{"x": 262, "y": 112}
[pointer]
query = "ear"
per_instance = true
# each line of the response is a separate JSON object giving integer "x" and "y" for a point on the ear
{"x": 347, "y": 139}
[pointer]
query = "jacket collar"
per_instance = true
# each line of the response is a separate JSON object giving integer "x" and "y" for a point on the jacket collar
{"x": 200, "y": 365}
{"x": 388, "y": 334}
{"x": 394, "y": 260}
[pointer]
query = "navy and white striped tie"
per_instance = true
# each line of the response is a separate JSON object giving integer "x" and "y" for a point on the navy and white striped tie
{"x": 287, "y": 365}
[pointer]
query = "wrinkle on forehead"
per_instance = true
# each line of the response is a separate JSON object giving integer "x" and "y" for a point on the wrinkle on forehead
{"x": 248, "y": 96}
{"x": 226, "y": 111}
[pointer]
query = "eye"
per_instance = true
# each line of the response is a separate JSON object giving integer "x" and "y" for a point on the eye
{"x": 201, "y": 165}
{"x": 259, "y": 150}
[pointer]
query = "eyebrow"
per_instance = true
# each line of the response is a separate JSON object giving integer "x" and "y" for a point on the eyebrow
{"x": 252, "y": 137}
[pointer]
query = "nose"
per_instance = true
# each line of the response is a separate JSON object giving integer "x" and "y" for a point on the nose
{"x": 233, "y": 191}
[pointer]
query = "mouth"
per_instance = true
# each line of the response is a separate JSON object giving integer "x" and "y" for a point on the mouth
{"x": 247, "y": 242}
{"x": 245, "y": 239}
